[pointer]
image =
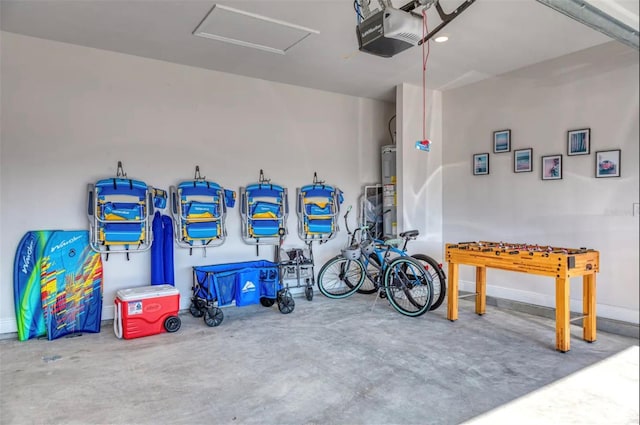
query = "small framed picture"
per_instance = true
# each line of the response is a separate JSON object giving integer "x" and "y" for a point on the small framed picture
{"x": 523, "y": 160}
{"x": 552, "y": 167}
{"x": 608, "y": 163}
{"x": 480, "y": 164}
{"x": 578, "y": 142}
{"x": 502, "y": 141}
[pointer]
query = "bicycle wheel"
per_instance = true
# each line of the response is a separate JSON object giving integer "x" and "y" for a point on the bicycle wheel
{"x": 374, "y": 273}
{"x": 438, "y": 279}
{"x": 339, "y": 277}
{"x": 408, "y": 286}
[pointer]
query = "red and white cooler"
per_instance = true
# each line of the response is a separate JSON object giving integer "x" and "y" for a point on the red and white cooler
{"x": 147, "y": 310}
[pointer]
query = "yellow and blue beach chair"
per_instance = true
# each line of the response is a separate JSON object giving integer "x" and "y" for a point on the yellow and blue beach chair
{"x": 119, "y": 211}
{"x": 199, "y": 209}
{"x": 318, "y": 206}
{"x": 264, "y": 211}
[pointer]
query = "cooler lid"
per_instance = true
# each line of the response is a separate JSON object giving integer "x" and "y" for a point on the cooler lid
{"x": 143, "y": 292}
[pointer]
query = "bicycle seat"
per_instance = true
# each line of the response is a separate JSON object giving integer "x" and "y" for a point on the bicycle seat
{"x": 409, "y": 234}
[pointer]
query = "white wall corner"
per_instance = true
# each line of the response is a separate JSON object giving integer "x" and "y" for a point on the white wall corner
{"x": 420, "y": 184}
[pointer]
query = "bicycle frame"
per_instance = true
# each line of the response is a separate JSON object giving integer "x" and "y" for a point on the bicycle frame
{"x": 382, "y": 254}
{"x": 389, "y": 270}
{"x": 382, "y": 251}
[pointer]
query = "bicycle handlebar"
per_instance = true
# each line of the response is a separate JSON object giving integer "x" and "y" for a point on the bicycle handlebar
{"x": 365, "y": 232}
{"x": 364, "y": 227}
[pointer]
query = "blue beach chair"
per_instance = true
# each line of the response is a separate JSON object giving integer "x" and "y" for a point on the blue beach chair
{"x": 264, "y": 209}
{"x": 318, "y": 206}
{"x": 199, "y": 209}
{"x": 119, "y": 211}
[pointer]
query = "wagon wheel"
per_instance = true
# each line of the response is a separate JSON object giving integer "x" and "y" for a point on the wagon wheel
{"x": 267, "y": 302}
{"x": 172, "y": 324}
{"x": 308, "y": 293}
{"x": 213, "y": 316}
{"x": 195, "y": 310}
{"x": 286, "y": 303}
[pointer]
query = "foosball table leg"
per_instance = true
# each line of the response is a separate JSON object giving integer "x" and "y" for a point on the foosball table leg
{"x": 589, "y": 307}
{"x": 452, "y": 296}
{"x": 563, "y": 330}
{"x": 481, "y": 290}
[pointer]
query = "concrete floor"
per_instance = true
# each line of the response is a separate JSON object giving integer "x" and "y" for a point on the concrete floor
{"x": 604, "y": 393}
{"x": 328, "y": 362}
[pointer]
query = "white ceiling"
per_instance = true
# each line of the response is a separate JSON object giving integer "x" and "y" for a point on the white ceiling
{"x": 491, "y": 37}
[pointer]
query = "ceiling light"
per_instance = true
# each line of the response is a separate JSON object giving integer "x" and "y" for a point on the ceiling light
{"x": 246, "y": 29}
{"x": 441, "y": 39}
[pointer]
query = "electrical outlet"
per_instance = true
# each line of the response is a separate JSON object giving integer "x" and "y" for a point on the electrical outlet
{"x": 636, "y": 209}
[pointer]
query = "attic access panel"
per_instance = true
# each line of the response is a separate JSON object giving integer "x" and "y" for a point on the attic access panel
{"x": 247, "y": 29}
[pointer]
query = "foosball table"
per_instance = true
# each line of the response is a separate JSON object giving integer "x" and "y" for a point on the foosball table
{"x": 560, "y": 263}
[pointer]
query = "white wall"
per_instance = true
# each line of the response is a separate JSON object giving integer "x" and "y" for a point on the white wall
{"x": 419, "y": 173}
{"x": 70, "y": 113}
{"x": 597, "y": 89}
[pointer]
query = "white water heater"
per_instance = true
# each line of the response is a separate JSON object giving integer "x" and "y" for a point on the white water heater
{"x": 389, "y": 192}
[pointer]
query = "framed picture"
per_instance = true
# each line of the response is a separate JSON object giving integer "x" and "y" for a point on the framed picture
{"x": 608, "y": 163}
{"x": 480, "y": 164}
{"x": 502, "y": 141}
{"x": 523, "y": 160}
{"x": 578, "y": 142}
{"x": 552, "y": 167}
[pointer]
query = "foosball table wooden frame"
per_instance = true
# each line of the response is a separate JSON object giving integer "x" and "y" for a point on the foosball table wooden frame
{"x": 559, "y": 263}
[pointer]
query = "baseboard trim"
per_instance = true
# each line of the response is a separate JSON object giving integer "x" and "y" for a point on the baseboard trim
{"x": 603, "y": 324}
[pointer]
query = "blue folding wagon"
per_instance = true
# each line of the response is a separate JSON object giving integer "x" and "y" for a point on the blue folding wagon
{"x": 245, "y": 283}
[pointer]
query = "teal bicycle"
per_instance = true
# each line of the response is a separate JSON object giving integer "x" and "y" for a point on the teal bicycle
{"x": 434, "y": 270}
{"x": 407, "y": 282}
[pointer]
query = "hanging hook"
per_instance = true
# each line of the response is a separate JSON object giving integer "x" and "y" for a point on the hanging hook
{"x": 197, "y": 175}
{"x": 262, "y": 179}
{"x": 120, "y": 172}
{"x": 315, "y": 179}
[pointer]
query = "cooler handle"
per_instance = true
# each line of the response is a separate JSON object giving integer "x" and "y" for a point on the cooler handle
{"x": 117, "y": 320}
